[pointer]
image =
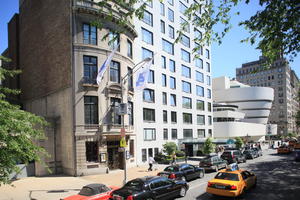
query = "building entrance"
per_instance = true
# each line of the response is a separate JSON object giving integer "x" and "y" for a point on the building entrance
{"x": 115, "y": 158}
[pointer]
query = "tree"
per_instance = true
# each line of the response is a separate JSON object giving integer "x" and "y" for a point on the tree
{"x": 276, "y": 25}
{"x": 18, "y": 130}
{"x": 169, "y": 148}
{"x": 291, "y": 135}
{"x": 208, "y": 146}
{"x": 238, "y": 142}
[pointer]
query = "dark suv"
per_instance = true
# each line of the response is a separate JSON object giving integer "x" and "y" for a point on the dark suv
{"x": 212, "y": 163}
{"x": 233, "y": 156}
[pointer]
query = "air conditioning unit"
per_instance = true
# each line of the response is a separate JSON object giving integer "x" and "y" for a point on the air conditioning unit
{"x": 122, "y": 109}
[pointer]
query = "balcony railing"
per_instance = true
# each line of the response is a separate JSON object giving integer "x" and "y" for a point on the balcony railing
{"x": 89, "y": 80}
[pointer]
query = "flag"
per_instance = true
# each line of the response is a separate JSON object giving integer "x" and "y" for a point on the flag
{"x": 142, "y": 76}
{"x": 106, "y": 63}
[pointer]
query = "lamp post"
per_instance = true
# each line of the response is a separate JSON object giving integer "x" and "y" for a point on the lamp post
{"x": 123, "y": 136}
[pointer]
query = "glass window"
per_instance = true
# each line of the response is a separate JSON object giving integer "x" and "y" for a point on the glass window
{"x": 164, "y": 98}
{"x": 130, "y": 113}
{"x": 173, "y": 99}
{"x": 174, "y": 134}
{"x": 186, "y": 87}
{"x": 209, "y": 120}
{"x": 149, "y": 134}
{"x": 208, "y": 81}
{"x": 114, "y": 40}
{"x": 146, "y": 53}
{"x": 149, "y": 114}
{"x": 185, "y": 25}
{"x": 148, "y": 95}
{"x": 92, "y": 151}
{"x": 165, "y": 116}
{"x": 182, "y": 7}
{"x": 172, "y": 65}
{"x": 162, "y": 9}
{"x": 207, "y": 54}
{"x": 168, "y": 47}
{"x": 149, "y": 3}
{"x": 147, "y": 36}
{"x": 91, "y": 110}
{"x": 89, "y": 34}
{"x": 163, "y": 62}
{"x": 171, "y": 2}
{"x": 187, "y": 133}
{"x": 151, "y": 77}
{"x": 201, "y": 133}
{"x": 200, "y": 105}
{"x": 162, "y": 26}
{"x": 186, "y": 102}
{"x": 199, "y": 63}
{"x": 199, "y": 48}
{"x": 173, "y": 117}
{"x": 185, "y": 40}
{"x": 199, "y": 77}
{"x": 200, "y": 119}
{"x": 115, "y": 117}
{"x": 209, "y": 93}
{"x": 207, "y": 67}
{"x": 171, "y": 32}
{"x": 114, "y": 72}
{"x": 129, "y": 49}
{"x": 130, "y": 79}
{"x": 144, "y": 155}
{"x": 163, "y": 80}
{"x": 185, "y": 56}
{"x": 90, "y": 69}
{"x": 172, "y": 82}
{"x": 166, "y": 134}
{"x": 200, "y": 91}
{"x": 185, "y": 71}
{"x": 170, "y": 15}
{"x": 197, "y": 34}
{"x": 148, "y": 18}
{"x": 187, "y": 118}
{"x": 209, "y": 107}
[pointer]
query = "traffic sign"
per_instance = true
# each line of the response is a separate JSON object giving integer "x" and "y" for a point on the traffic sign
{"x": 122, "y": 132}
{"x": 123, "y": 142}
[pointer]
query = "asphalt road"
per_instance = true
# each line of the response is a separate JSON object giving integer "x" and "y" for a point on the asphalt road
{"x": 278, "y": 178}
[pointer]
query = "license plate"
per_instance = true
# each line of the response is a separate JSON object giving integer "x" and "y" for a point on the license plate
{"x": 220, "y": 186}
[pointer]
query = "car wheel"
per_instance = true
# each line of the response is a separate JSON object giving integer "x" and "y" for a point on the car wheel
{"x": 182, "y": 192}
{"x": 183, "y": 178}
{"x": 201, "y": 174}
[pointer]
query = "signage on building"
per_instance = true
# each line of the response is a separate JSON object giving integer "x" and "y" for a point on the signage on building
{"x": 123, "y": 142}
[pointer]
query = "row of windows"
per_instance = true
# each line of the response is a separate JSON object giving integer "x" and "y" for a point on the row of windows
{"x": 187, "y": 118}
{"x": 258, "y": 71}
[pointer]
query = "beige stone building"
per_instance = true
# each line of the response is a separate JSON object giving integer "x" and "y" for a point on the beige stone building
{"x": 59, "y": 52}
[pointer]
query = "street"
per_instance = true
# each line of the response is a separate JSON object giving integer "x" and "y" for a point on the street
{"x": 278, "y": 178}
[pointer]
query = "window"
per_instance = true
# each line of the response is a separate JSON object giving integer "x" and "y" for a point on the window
{"x": 209, "y": 120}
{"x": 114, "y": 72}
{"x": 114, "y": 40}
{"x": 199, "y": 63}
{"x": 185, "y": 25}
{"x": 170, "y": 15}
{"x": 174, "y": 134}
{"x": 163, "y": 80}
{"x": 186, "y": 102}
{"x": 162, "y": 26}
{"x": 209, "y": 107}
{"x": 168, "y": 47}
{"x": 197, "y": 34}
{"x": 147, "y": 36}
{"x": 199, "y": 77}
{"x": 185, "y": 40}
{"x": 200, "y": 119}
{"x": 149, "y": 3}
{"x": 171, "y": 32}
{"x": 280, "y": 101}
{"x": 165, "y": 116}
{"x": 129, "y": 49}
{"x": 91, "y": 110}
{"x": 200, "y": 105}
{"x": 199, "y": 48}
{"x": 146, "y": 53}
{"x": 162, "y": 9}
{"x": 91, "y": 151}
{"x": 148, "y": 18}
{"x": 130, "y": 113}
{"x": 187, "y": 133}
{"x": 200, "y": 91}
{"x": 172, "y": 82}
{"x": 90, "y": 69}
{"x": 131, "y": 148}
{"x": 89, "y": 34}
{"x": 166, "y": 134}
{"x": 130, "y": 79}
{"x": 207, "y": 67}
{"x": 182, "y": 7}
{"x": 172, "y": 65}
{"x": 173, "y": 99}
{"x": 148, "y": 95}
{"x": 144, "y": 155}
{"x": 171, "y": 2}
{"x": 151, "y": 77}
{"x": 164, "y": 98}
{"x": 207, "y": 54}
{"x": 208, "y": 81}
{"x": 163, "y": 62}
{"x": 209, "y": 93}
{"x": 185, "y": 71}
{"x": 187, "y": 118}
{"x": 115, "y": 117}
{"x": 201, "y": 133}
{"x": 185, "y": 56}
{"x": 149, "y": 134}
{"x": 209, "y": 133}
{"x": 149, "y": 114}
{"x": 173, "y": 117}
{"x": 186, "y": 87}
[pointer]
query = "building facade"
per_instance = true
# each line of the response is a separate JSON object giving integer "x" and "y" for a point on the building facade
{"x": 285, "y": 83}
{"x": 177, "y": 103}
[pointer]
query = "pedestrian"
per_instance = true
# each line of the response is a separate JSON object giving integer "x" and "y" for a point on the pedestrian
{"x": 151, "y": 161}
{"x": 173, "y": 158}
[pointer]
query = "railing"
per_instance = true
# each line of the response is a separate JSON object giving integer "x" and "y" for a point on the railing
{"x": 89, "y": 80}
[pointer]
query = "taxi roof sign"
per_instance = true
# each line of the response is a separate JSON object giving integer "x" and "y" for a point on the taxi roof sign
{"x": 232, "y": 167}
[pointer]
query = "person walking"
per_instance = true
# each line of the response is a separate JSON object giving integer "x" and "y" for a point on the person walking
{"x": 174, "y": 158}
{"x": 151, "y": 161}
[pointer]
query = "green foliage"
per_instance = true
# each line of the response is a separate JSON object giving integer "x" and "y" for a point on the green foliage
{"x": 208, "y": 146}
{"x": 179, "y": 153}
{"x": 18, "y": 130}
{"x": 291, "y": 135}
{"x": 169, "y": 148}
{"x": 238, "y": 142}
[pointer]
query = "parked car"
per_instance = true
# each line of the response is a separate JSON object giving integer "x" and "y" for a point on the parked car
{"x": 93, "y": 192}
{"x": 250, "y": 154}
{"x": 233, "y": 156}
{"x": 182, "y": 172}
{"x": 150, "y": 188}
{"x": 212, "y": 163}
{"x": 283, "y": 149}
{"x": 258, "y": 151}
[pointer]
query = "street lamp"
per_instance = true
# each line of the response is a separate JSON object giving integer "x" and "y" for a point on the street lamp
{"x": 123, "y": 80}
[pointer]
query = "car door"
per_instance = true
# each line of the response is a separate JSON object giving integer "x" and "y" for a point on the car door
{"x": 188, "y": 171}
{"x": 251, "y": 178}
{"x": 246, "y": 179}
{"x": 163, "y": 189}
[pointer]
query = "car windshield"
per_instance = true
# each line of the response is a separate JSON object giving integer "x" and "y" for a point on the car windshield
{"x": 171, "y": 169}
{"x": 227, "y": 176}
{"x": 86, "y": 191}
{"x": 134, "y": 184}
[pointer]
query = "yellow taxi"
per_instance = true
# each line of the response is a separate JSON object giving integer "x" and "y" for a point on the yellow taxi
{"x": 283, "y": 149}
{"x": 231, "y": 183}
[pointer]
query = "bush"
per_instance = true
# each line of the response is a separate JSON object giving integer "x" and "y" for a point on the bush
{"x": 208, "y": 146}
{"x": 169, "y": 148}
{"x": 160, "y": 157}
{"x": 179, "y": 153}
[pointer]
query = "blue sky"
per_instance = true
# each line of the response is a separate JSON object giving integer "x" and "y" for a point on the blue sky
{"x": 225, "y": 58}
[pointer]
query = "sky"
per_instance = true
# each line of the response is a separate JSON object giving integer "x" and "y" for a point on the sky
{"x": 225, "y": 57}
